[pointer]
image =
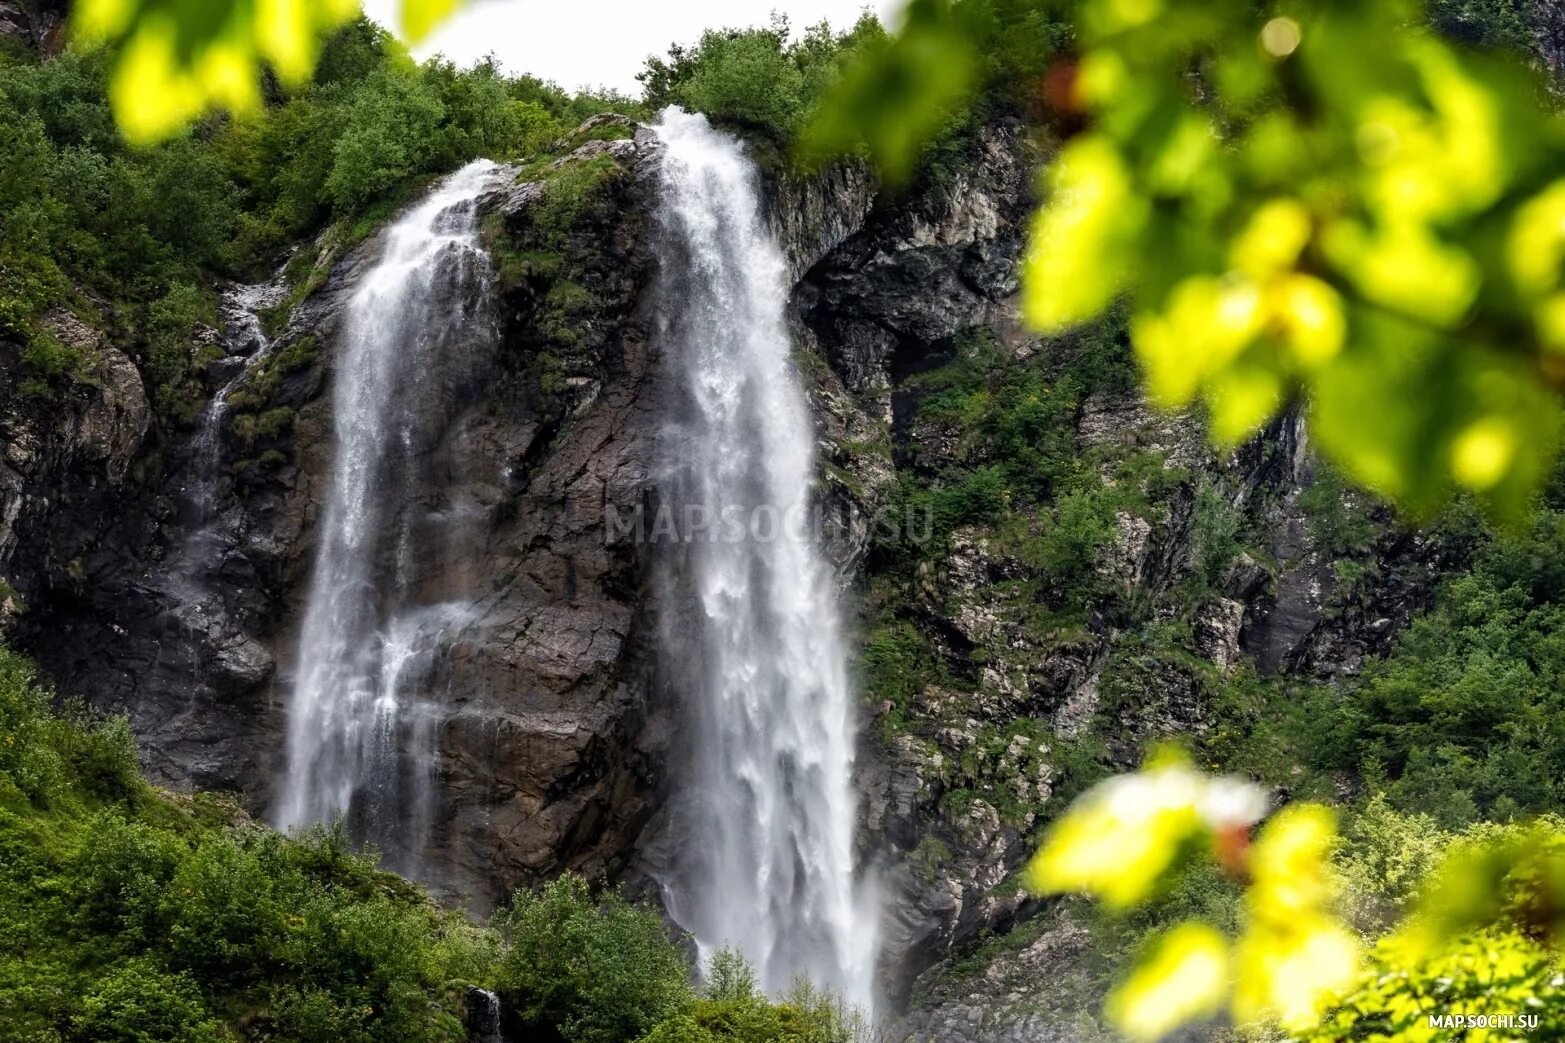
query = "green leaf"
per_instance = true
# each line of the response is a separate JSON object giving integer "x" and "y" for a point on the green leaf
{"x": 898, "y": 93}
{"x": 179, "y": 59}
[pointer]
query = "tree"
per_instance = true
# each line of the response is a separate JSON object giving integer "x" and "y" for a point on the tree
{"x": 390, "y": 132}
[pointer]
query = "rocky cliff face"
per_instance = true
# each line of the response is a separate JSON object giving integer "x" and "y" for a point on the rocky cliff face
{"x": 189, "y": 624}
{"x": 556, "y": 732}
{"x": 62, "y": 464}
{"x": 36, "y": 23}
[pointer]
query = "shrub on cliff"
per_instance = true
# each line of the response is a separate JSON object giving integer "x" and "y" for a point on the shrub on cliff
{"x": 759, "y": 81}
{"x": 596, "y": 970}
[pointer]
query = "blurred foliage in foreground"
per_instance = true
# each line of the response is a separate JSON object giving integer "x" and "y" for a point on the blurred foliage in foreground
{"x": 181, "y": 58}
{"x": 1321, "y": 197}
{"x": 1480, "y": 937}
{"x": 1121, "y": 839}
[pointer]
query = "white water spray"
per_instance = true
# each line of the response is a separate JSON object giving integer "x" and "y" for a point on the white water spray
{"x": 362, "y": 729}
{"x": 769, "y": 812}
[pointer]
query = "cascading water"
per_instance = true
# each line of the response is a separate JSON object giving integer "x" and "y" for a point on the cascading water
{"x": 248, "y": 346}
{"x": 484, "y": 1017}
{"x": 362, "y": 728}
{"x": 241, "y": 308}
{"x": 769, "y": 809}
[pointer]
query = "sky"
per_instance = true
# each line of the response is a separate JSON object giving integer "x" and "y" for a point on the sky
{"x": 592, "y": 43}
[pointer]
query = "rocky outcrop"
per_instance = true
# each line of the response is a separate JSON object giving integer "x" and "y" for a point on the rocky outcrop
{"x": 552, "y": 734}
{"x": 919, "y": 268}
{"x": 1030, "y": 985}
{"x": 957, "y": 778}
{"x": 38, "y": 23}
{"x": 189, "y": 624}
{"x": 65, "y": 452}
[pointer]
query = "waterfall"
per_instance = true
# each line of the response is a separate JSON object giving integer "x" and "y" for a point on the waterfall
{"x": 247, "y": 346}
{"x": 241, "y": 309}
{"x": 484, "y": 1016}
{"x": 768, "y": 809}
{"x": 363, "y": 728}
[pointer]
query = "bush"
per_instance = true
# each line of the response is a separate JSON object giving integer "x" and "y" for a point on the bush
{"x": 731, "y": 1009}
{"x": 1464, "y": 718}
{"x": 139, "y": 1003}
{"x": 391, "y": 125}
{"x": 28, "y": 757}
{"x": 122, "y": 871}
{"x": 223, "y": 923}
{"x": 746, "y": 79}
{"x": 129, "y": 915}
{"x": 47, "y": 363}
{"x": 102, "y": 754}
{"x": 590, "y": 969}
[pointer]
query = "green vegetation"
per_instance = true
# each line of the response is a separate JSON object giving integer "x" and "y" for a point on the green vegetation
{"x": 898, "y": 661}
{"x": 912, "y": 102}
{"x": 267, "y": 378}
{"x": 756, "y": 81}
{"x": 1014, "y": 428}
{"x": 1456, "y": 922}
{"x": 1463, "y": 720}
{"x": 570, "y": 189}
{"x": 1454, "y": 729}
{"x": 135, "y": 916}
{"x": 598, "y": 973}
{"x": 1500, "y": 24}
{"x": 557, "y": 268}
{"x": 1338, "y": 514}
{"x": 1435, "y": 747}
{"x": 130, "y": 240}
{"x": 1283, "y": 251}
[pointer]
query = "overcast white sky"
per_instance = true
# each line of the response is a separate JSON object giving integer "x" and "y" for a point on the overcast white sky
{"x": 594, "y": 43}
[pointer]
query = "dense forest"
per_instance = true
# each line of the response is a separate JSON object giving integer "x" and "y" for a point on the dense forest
{"x": 133, "y": 912}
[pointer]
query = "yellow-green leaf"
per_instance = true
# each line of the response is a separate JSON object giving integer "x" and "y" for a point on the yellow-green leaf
{"x": 420, "y": 17}
{"x": 1078, "y": 258}
{"x": 1183, "y": 979}
{"x": 1119, "y": 838}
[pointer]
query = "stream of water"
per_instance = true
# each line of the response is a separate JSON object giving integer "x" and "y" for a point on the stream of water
{"x": 363, "y": 726}
{"x": 769, "y": 805}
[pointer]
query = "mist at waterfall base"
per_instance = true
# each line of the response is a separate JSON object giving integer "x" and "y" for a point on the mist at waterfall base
{"x": 364, "y": 722}
{"x": 753, "y": 640}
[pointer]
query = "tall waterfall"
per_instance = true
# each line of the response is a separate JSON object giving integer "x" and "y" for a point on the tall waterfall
{"x": 767, "y": 859}
{"x": 363, "y": 727}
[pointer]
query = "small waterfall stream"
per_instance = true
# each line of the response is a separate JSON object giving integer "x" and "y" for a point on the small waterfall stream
{"x": 247, "y": 346}
{"x": 241, "y": 309}
{"x": 363, "y": 728}
{"x": 484, "y": 1016}
{"x": 769, "y": 808}
{"x": 195, "y": 603}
